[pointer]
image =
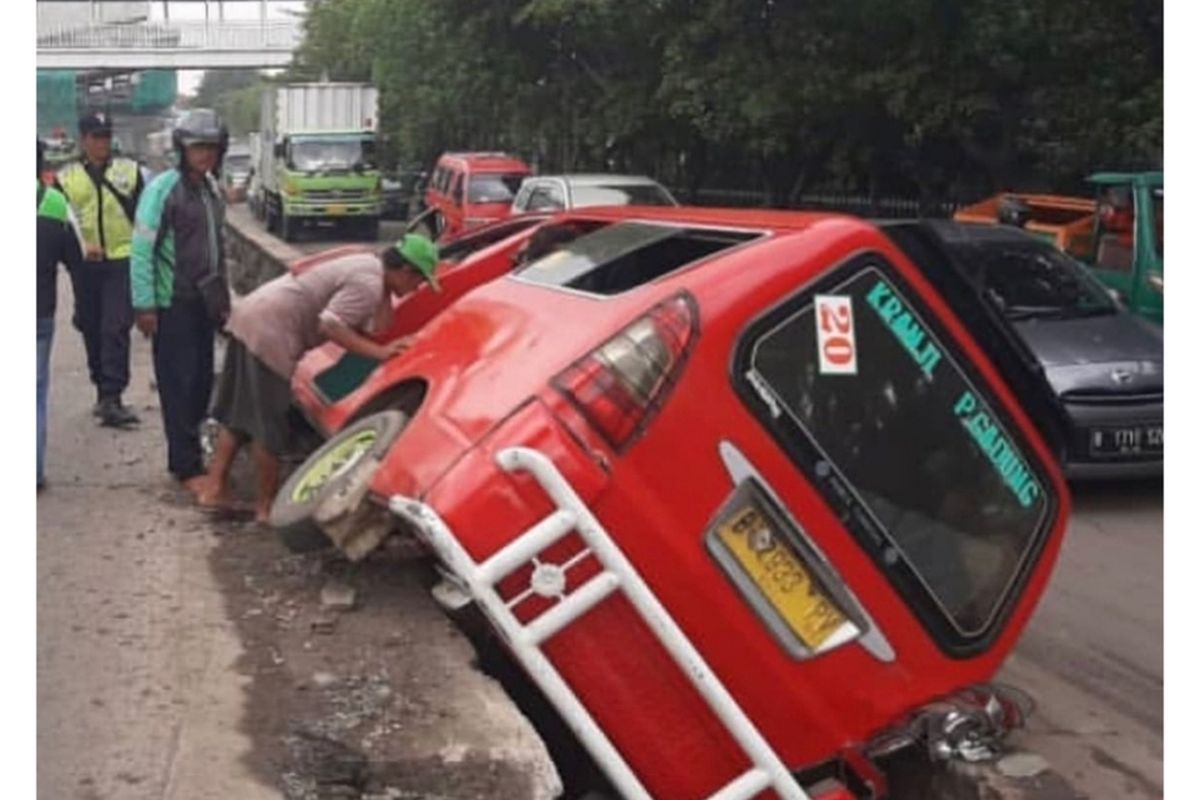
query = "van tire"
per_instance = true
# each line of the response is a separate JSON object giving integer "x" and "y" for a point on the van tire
{"x": 292, "y": 517}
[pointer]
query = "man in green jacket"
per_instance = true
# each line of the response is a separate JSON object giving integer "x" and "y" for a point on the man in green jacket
{"x": 177, "y": 252}
{"x": 57, "y": 243}
{"x": 103, "y": 191}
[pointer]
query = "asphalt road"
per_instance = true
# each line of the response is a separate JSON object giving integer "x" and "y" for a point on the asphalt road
{"x": 137, "y": 687}
{"x": 318, "y": 238}
{"x": 1092, "y": 656}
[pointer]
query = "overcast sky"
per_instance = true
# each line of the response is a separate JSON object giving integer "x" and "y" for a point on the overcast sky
{"x": 233, "y": 10}
{"x": 189, "y": 79}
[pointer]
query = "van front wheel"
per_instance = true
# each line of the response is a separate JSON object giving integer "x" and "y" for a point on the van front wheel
{"x": 338, "y": 469}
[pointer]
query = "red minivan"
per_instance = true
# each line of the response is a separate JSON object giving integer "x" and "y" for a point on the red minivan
{"x": 754, "y": 498}
{"x": 467, "y": 190}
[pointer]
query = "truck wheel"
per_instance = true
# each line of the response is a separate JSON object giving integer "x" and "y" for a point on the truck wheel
{"x": 327, "y": 472}
{"x": 287, "y": 227}
{"x": 269, "y": 216}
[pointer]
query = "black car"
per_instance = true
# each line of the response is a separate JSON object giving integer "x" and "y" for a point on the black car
{"x": 1104, "y": 363}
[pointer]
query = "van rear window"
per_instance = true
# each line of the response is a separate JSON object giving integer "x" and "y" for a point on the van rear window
{"x": 624, "y": 256}
{"x": 933, "y": 477}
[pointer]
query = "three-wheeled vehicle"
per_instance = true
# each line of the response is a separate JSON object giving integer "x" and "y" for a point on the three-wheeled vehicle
{"x": 1118, "y": 233}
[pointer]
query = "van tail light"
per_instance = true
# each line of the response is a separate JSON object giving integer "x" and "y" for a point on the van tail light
{"x": 620, "y": 385}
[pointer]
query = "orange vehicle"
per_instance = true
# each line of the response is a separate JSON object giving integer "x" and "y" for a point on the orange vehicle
{"x": 1118, "y": 233}
{"x": 1065, "y": 221}
{"x": 467, "y": 190}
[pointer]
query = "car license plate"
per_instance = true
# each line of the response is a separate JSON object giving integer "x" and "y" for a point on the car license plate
{"x": 336, "y": 211}
{"x": 781, "y": 576}
{"x": 1127, "y": 441}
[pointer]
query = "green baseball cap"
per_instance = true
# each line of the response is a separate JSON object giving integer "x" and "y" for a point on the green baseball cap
{"x": 422, "y": 255}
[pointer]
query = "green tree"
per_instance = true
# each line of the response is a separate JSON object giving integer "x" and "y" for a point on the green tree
{"x": 932, "y": 98}
{"x": 235, "y": 95}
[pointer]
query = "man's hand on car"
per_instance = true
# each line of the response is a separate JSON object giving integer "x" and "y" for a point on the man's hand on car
{"x": 147, "y": 322}
{"x": 395, "y": 347}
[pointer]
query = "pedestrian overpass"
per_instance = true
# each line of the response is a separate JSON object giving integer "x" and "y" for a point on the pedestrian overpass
{"x": 104, "y": 34}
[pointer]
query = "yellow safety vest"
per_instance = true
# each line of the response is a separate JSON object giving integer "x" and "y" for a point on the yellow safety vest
{"x": 102, "y": 220}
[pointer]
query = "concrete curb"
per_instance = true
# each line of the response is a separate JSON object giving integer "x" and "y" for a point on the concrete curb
{"x": 255, "y": 256}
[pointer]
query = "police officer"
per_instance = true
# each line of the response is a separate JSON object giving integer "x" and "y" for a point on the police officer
{"x": 103, "y": 192}
{"x": 57, "y": 243}
{"x": 180, "y": 286}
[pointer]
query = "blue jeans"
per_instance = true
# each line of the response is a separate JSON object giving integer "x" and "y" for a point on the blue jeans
{"x": 45, "y": 335}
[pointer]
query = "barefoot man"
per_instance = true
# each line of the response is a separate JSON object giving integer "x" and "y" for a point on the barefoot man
{"x": 276, "y": 324}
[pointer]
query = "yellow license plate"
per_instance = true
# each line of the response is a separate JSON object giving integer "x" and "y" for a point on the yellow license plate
{"x": 337, "y": 210}
{"x": 782, "y": 578}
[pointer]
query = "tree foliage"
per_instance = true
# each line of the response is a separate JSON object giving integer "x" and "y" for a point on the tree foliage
{"x": 235, "y": 95}
{"x": 935, "y": 98}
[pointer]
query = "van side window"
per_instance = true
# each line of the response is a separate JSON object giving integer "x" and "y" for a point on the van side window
{"x": 522, "y": 201}
{"x": 456, "y": 189}
{"x": 547, "y": 197}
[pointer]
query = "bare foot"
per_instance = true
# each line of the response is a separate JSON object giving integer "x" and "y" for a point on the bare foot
{"x": 214, "y": 497}
{"x": 196, "y": 485}
{"x": 262, "y": 514}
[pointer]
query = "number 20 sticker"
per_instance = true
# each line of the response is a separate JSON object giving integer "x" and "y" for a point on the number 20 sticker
{"x": 836, "y": 351}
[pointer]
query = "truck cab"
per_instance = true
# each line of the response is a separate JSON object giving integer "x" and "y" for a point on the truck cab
{"x": 1125, "y": 249}
{"x": 317, "y": 156}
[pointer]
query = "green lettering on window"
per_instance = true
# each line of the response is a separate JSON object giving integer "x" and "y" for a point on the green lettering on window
{"x": 905, "y": 327}
{"x": 998, "y": 449}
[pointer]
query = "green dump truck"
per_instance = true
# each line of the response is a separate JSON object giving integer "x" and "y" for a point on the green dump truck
{"x": 317, "y": 159}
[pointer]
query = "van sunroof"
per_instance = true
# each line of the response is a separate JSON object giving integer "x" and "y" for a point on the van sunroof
{"x": 626, "y": 255}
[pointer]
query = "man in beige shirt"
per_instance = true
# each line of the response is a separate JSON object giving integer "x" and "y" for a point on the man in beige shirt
{"x": 275, "y": 325}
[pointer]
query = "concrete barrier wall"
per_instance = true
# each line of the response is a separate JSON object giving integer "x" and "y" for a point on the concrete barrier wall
{"x": 253, "y": 255}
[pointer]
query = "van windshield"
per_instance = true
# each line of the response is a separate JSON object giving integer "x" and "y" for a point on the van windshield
{"x": 324, "y": 155}
{"x": 498, "y": 188}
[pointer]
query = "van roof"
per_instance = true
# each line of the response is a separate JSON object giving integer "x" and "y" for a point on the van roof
{"x": 486, "y": 161}
{"x": 603, "y": 179}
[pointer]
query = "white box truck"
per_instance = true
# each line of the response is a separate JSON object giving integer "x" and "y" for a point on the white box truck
{"x": 316, "y": 161}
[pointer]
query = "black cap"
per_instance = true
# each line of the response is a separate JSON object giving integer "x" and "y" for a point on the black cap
{"x": 95, "y": 122}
